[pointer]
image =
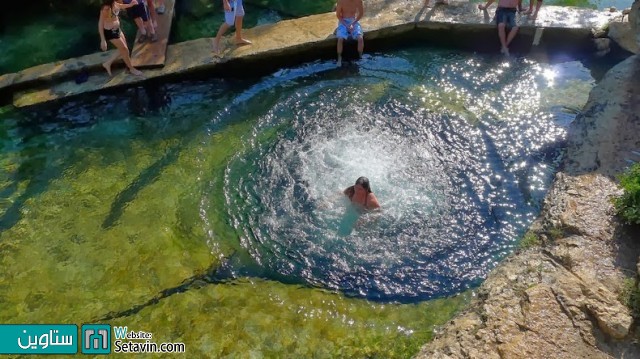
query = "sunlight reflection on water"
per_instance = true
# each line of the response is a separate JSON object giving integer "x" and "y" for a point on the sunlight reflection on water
{"x": 459, "y": 152}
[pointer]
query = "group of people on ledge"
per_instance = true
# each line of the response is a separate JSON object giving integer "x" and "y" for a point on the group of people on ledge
{"x": 348, "y": 12}
{"x": 505, "y": 17}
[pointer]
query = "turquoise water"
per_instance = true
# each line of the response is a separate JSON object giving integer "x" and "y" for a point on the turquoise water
{"x": 57, "y": 36}
{"x": 210, "y": 213}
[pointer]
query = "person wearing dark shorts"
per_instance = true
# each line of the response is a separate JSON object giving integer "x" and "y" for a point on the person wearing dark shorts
{"x": 140, "y": 16}
{"x": 505, "y": 17}
{"x": 111, "y": 34}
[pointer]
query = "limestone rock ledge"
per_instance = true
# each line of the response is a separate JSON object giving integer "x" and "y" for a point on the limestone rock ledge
{"x": 560, "y": 300}
{"x": 627, "y": 33}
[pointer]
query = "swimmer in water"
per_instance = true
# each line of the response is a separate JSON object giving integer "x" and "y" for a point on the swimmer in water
{"x": 361, "y": 194}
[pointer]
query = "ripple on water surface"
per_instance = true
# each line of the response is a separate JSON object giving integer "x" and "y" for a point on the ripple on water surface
{"x": 459, "y": 152}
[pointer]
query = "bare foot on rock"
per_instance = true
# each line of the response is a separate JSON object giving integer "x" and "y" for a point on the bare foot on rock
{"x": 215, "y": 48}
{"x": 107, "y": 66}
{"x": 136, "y": 72}
{"x": 240, "y": 42}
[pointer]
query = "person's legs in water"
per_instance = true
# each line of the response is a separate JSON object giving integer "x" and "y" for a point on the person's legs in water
{"x": 238, "y": 23}
{"x": 123, "y": 51}
{"x": 360, "y": 45}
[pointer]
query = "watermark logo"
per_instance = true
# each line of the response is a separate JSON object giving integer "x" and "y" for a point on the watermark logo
{"x": 38, "y": 339}
{"x": 131, "y": 341}
{"x": 96, "y": 339}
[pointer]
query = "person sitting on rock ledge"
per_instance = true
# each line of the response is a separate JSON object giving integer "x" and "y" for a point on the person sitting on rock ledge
{"x": 505, "y": 16}
{"x": 349, "y": 13}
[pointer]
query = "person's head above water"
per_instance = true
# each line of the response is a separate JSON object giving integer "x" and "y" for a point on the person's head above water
{"x": 364, "y": 182}
{"x": 361, "y": 193}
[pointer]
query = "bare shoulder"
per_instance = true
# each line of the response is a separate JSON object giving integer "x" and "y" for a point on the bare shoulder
{"x": 373, "y": 201}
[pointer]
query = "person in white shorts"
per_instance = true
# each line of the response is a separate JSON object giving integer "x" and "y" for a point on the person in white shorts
{"x": 233, "y": 15}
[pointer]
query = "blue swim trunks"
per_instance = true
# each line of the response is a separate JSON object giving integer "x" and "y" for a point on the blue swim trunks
{"x": 343, "y": 33}
{"x": 236, "y": 10}
{"x": 506, "y": 16}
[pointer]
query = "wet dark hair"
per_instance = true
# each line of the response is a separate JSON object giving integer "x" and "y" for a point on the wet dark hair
{"x": 364, "y": 182}
{"x": 108, "y": 3}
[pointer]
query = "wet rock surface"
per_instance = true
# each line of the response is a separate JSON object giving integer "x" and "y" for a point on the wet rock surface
{"x": 560, "y": 300}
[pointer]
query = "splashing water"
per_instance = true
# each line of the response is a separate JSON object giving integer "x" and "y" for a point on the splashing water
{"x": 459, "y": 161}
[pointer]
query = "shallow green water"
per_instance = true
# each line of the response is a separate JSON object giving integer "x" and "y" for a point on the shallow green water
{"x": 116, "y": 208}
{"x": 58, "y": 36}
